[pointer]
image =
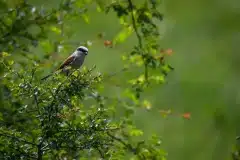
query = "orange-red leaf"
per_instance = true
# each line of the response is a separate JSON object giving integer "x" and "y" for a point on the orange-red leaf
{"x": 107, "y": 43}
{"x": 168, "y": 51}
{"x": 186, "y": 115}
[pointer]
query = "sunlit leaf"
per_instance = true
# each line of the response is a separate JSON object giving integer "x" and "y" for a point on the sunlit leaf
{"x": 123, "y": 35}
{"x": 5, "y": 54}
{"x": 124, "y": 58}
{"x": 128, "y": 93}
{"x": 55, "y": 29}
{"x": 158, "y": 78}
{"x": 166, "y": 68}
{"x": 137, "y": 59}
{"x": 148, "y": 14}
{"x": 136, "y": 132}
{"x": 141, "y": 78}
{"x": 147, "y": 104}
{"x": 99, "y": 9}
{"x": 10, "y": 62}
{"x": 86, "y": 18}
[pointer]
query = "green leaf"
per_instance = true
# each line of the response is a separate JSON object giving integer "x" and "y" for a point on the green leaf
{"x": 99, "y": 9}
{"x": 100, "y": 5}
{"x": 128, "y": 93}
{"x": 123, "y": 35}
{"x": 55, "y": 29}
{"x": 86, "y": 18}
{"x": 10, "y": 62}
{"x": 147, "y": 104}
{"x": 166, "y": 68}
{"x": 136, "y": 132}
{"x": 158, "y": 78}
{"x": 5, "y": 54}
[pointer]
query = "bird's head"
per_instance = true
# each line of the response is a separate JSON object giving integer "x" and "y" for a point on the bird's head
{"x": 82, "y": 50}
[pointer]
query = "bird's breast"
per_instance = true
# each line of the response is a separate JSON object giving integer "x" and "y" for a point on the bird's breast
{"x": 77, "y": 63}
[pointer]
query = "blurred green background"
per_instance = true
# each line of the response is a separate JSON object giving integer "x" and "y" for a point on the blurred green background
{"x": 205, "y": 37}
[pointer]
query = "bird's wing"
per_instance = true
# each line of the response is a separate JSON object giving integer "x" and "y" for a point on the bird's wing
{"x": 67, "y": 62}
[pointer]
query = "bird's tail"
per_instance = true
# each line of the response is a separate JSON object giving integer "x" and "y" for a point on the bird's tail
{"x": 44, "y": 78}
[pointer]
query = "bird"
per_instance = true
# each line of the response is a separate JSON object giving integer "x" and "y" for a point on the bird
{"x": 75, "y": 61}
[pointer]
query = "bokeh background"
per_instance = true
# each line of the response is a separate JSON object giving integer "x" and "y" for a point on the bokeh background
{"x": 205, "y": 37}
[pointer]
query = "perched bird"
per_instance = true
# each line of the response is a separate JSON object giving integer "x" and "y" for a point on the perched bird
{"x": 75, "y": 61}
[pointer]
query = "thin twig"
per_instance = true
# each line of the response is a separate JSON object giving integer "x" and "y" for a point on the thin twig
{"x": 32, "y": 74}
{"x": 115, "y": 73}
{"x": 101, "y": 153}
{"x": 21, "y": 77}
{"x": 122, "y": 142}
{"x": 40, "y": 152}
{"x": 36, "y": 102}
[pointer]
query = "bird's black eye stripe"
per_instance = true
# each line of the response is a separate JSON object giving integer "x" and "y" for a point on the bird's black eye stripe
{"x": 82, "y": 50}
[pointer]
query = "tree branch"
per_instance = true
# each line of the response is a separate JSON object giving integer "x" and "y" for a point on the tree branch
{"x": 101, "y": 153}
{"x": 139, "y": 38}
{"x": 134, "y": 24}
{"x": 128, "y": 146}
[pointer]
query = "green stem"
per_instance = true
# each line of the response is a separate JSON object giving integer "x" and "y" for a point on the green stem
{"x": 135, "y": 25}
{"x": 138, "y": 37}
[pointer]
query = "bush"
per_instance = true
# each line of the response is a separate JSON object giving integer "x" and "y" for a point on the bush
{"x": 67, "y": 116}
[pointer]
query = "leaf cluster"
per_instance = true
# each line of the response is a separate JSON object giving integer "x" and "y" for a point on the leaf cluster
{"x": 141, "y": 19}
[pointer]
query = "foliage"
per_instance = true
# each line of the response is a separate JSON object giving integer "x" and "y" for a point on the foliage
{"x": 67, "y": 117}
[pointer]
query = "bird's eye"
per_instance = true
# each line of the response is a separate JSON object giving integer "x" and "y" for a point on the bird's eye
{"x": 82, "y": 50}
